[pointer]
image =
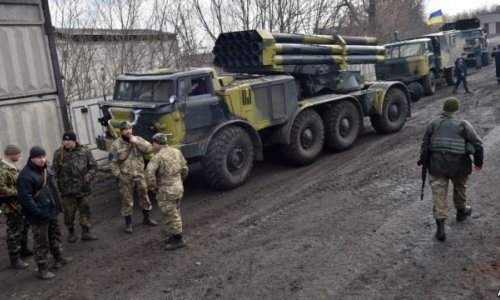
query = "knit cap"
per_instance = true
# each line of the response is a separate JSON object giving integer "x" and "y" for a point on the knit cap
{"x": 37, "y": 151}
{"x": 12, "y": 150}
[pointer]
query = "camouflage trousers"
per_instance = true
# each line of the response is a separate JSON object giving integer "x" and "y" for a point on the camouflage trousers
{"x": 71, "y": 204}
{"x": 46, "y": 238}
{"x": 439, "y": 187}
{"x": 127, "y": 187}
{"x": 171, "y": 211}
{"x": 16, "y": 233}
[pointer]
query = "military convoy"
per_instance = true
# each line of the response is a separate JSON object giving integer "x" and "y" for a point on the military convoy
{"x": 471, "y": 32}
{"x": 288, "y": 90}
{"x": 422, "y": 62}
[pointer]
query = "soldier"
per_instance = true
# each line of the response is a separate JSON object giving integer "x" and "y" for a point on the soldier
{"x": 38, "y": 194}
{"x": 17, "y": 226}
{"x": 476, "y": 50}
{"x": 446, "y": 149}
{"x": 75, "y": 167}
{"x": 127, "y": 163}
{"x": 496, "y": 56}
{"x": 164, "y": 174}
{"x": 461, "y": 73}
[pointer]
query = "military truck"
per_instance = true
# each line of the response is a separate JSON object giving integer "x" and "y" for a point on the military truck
{"x": 471, "y": 31}
{"x": 422, "y": 62}
{"x": 286, "y": 90}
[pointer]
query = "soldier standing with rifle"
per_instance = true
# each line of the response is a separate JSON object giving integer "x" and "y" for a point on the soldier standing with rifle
{"x": 75, "y": 167}
{"x": 17, "y": 226}
{"x": 126, "y": 158}
{"x": 446, "y": 151}
{"x": 165, "y": 174}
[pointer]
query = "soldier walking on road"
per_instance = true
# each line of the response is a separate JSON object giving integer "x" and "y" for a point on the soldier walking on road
{"x": 496, "y": 56}
{"x": 74, "y": 167}
{"x": 165, "y": 174}
{"x": 17, "y": 226}
{"x": 127, "y": 163}
{"x": 461, "y": 73}
{"x": 446, "y": 150}
{"x": 39, "y": 196}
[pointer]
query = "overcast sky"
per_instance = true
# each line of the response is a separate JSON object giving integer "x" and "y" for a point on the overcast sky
{"x": 453, "y": 7}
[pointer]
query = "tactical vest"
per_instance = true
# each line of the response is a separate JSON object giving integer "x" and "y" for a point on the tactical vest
{"x": 447, "y": 139}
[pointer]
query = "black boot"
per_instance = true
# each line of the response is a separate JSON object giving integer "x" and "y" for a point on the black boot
{"x": 463, "y": 213}
{"x": 71, "y": 235}
{"x": 147, "y": 219}
{"x": 17, "y": 263}
{"x": 128, "y": 224}
{"x": 87, "y": 236}
{"x": 174, "y": 242}
{"x": 25, "y": 251}
{"x": 43, "y": 272}
{"x": 440, "y": 233}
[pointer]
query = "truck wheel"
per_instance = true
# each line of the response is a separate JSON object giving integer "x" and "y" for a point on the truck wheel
{"x": 448, "y": 75}
{"x": 342, "y": 123}
{"x": 229, "y": 158}
{"x": 394, "y": 112}
{"x": 416, "y": 91}
{"x": 306, "y": 139}
{"x": 429, "y": 84}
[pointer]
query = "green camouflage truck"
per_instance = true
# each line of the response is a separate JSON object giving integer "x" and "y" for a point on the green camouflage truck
{"x": 283, "y": 91}
{"x": 471, "y": 31}
{"x": 422, "y": 62}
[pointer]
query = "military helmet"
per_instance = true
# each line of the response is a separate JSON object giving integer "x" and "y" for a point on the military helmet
{"x": 160, "y": 138}
{"x": 451, "y": 104}
{"x": 125, "y": 125}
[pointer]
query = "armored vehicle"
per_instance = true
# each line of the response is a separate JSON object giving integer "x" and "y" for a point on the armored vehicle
{"x": 286, "y": 90}
{"x": 422, "y": 62}
{"x": 471, "y": 31}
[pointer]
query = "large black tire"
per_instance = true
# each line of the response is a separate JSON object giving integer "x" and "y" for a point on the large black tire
{"x": 306, "y": 139}
{"x": 429, "y": 84}
{"x": 342, "y": 123}
{"x": 394, "y": 112}
{"x": 416, "y": 91}
{"x": 229, "y": 158}
{"x": 448, "y": 75}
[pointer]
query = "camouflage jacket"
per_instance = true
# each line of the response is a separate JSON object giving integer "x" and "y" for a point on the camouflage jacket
{"x": 74, "y": 170}
{"x": 8, "y": 190}
{"x": 127, "y": 159}
{"x": 166, "y": 171}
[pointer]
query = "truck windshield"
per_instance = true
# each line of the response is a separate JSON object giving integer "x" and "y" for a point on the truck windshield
{"x": 403, "y": 51}
{"x": 142, "y": 90}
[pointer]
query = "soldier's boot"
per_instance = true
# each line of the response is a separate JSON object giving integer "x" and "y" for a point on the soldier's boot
{"x": 174, "y": 242}
{"x": 60, "y": 261}
{"x": 87, "y": 236}
{"x": 128, "y": 224}
{"x": 25, "y": 251}
{"x": 147, "y": 219}
{"x": 43, "y": 272}
{"x": 440, "y": 233}
{"x": 71, "y": 235}
{"x": 17, "y": 263}
{"x": 463, "y": 213}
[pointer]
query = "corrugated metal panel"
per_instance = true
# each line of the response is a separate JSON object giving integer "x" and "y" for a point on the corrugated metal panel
{"x": 368, "y": 70}
{"x": 25, "y": 64}
{"x": 30, "y": 121}
{"x": 84, "y": 116}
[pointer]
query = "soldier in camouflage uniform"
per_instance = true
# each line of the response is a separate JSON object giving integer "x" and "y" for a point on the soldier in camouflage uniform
{"x": 75, "y": 167}
{"x": 38, "y": 194}
{"x": 17, "y": 226}
{"x": 446, "y": 151}
{"x": 127, "y": 163}
{"x": 164, "y": 174}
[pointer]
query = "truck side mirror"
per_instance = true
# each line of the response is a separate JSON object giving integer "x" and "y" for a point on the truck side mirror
{"x": 172, "y": 99}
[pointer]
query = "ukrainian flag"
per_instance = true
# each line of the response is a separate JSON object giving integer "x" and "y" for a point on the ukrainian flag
{"x": 435, "y": 17}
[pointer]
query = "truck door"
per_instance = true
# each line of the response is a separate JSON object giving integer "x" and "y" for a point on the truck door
{"x": 202, "y": 108}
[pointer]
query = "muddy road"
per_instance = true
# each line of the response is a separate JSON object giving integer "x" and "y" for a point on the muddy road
{"x": 349, "y": 226}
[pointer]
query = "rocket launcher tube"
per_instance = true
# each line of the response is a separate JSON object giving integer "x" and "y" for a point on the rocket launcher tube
{"x": 308, "y": 49}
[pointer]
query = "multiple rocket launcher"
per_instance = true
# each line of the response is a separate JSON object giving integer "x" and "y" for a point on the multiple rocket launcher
{"x": 261, "y": 50}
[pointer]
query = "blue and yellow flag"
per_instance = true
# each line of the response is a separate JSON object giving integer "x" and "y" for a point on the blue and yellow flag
{"x": 435, "y": 17}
